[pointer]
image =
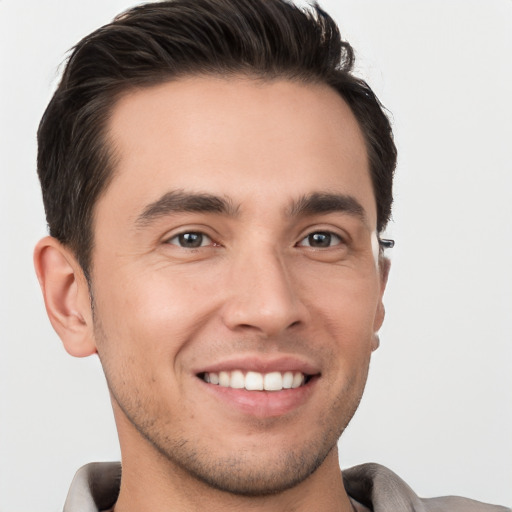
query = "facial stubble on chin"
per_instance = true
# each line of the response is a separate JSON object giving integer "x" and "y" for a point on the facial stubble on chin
{"x": 247, "y": 472}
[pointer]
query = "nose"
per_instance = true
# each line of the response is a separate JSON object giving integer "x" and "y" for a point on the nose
{"x": 262, "y": 295}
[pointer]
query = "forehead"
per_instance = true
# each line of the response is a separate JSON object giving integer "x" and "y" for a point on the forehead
{"x": 249, "y": 140}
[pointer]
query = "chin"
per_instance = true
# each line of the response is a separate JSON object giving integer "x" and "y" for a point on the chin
{"x": 256, "y": 474}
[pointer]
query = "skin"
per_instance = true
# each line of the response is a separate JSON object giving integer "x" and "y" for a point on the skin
{"x": 255, "y": 292}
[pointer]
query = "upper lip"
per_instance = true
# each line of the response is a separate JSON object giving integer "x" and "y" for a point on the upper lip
{"x": 260, "y": 364}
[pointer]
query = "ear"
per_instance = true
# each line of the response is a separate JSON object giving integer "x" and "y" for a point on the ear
{"x": 384, "y": 266}
{"x": 66, "y": 296}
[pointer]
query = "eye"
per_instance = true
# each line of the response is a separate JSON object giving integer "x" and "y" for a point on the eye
{"x": 321, "y": 240}
{"x": 191, "y": 240}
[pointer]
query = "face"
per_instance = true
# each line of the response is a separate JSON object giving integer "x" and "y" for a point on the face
{"x": 235, "y": 250}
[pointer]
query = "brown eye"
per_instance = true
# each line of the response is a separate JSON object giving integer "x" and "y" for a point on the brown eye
{"x": 321, "y": 240}
{"x": 191, "y": 240}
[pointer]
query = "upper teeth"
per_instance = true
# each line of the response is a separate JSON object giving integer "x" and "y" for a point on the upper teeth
{"x": 255, "y": 381}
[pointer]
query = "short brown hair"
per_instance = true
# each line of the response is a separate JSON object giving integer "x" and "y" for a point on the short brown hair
{"x": 161, "y": 41}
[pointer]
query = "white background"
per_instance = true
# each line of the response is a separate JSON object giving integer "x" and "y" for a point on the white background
{"x": 438, "y": 406}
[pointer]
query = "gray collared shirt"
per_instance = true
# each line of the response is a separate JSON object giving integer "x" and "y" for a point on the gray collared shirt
{"x": 96, "y": 487}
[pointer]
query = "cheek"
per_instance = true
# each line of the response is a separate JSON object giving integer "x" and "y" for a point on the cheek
{"x": 149, "y": 317}
{"x": 344, "y": 312}
{"x": 348, "y": 306}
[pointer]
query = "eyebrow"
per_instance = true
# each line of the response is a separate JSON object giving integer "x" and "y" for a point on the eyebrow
{"x": 321, "y": 203}
{"x": 179, "y": 201}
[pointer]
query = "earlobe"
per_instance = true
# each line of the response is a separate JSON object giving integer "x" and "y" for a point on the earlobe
{"x": 66, "y": 296}
{"x": 379, "y": 319}
{"x": 384, "y": 266}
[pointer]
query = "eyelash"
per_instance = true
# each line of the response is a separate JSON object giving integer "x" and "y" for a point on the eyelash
{"x": 199, "y": 234}
{"x": 329, "y": 236}
{"x": 320, "y": 235}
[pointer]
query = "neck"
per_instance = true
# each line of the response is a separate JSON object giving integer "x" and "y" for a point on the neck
{"x": 154, "y": 484}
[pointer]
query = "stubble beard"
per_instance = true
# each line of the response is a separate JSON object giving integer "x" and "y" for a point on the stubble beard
{"x": 249, "y": 473}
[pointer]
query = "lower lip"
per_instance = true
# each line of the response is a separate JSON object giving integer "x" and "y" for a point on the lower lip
{"x": 263, "y": 404}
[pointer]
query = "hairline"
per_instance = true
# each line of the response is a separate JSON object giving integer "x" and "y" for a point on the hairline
{"x": 117, "y": 94}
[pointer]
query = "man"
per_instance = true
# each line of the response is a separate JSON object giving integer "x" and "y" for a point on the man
{"x": 216, "y": 182}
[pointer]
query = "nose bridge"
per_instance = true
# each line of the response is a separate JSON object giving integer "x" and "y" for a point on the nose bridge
{"x": 262, "y": 295}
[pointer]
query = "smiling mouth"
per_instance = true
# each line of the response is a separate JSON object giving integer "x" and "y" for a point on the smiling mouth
{"x": 255, "y": 381}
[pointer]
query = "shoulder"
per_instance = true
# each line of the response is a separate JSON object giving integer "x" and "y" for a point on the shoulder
{"x": 95, "y": 487}
{"x": 382, "y": 490}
